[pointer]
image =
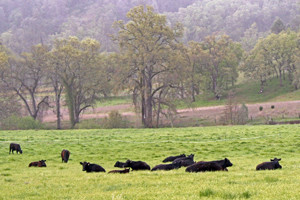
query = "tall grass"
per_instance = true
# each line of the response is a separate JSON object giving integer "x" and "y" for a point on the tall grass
{"x": 245, "y": 146}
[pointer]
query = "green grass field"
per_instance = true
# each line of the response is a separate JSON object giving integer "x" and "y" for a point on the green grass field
{"x": 245, "y": 146}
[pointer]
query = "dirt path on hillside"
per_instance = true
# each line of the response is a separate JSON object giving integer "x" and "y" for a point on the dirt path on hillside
{"x": 284, "y": 109}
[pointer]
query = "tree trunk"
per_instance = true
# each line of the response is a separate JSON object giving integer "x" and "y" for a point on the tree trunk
{"x": 280, "y": 78}
{"x": 57, "y": 101}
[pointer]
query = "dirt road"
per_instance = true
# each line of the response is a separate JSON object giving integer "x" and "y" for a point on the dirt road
{"x": 286, "y": 109}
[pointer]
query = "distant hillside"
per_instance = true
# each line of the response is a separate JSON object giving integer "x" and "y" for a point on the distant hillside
{"x": 27, "y": 22}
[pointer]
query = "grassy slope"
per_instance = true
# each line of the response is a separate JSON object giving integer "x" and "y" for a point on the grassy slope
{"x": 248, "y": 92}
{"x": 245, "y": 146}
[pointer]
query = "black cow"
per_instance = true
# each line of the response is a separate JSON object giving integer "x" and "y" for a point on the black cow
{"x": 40, "y": 163}
{"x": 119, "y": 164}
{"x": 274, "y": 164}
{"x": 167, "y": 166}
{"x": 15, "y": 147}
{"x": 137, "y": 165}
{"x": 125, "y": 171}
{"x": 216, "y": 165}
{"x": 172, "y": 158}
{"x": 88, "y": 167}
{"x": 185, "y": 161}
{"x": 65, "y": 154}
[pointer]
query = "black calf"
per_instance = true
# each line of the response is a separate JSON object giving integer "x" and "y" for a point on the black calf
{"x": 15, "y": 147}
{"x": 86, "y": 166}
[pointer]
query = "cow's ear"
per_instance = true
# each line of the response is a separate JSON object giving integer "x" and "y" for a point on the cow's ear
{"x": 279, "y": 159}
{"x": 81, "y": 163}
{"x": 272, "y": 159}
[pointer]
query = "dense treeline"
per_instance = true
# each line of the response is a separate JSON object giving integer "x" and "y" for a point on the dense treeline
{"x": 26, "y": 23}
{"x": 151, "y": 61}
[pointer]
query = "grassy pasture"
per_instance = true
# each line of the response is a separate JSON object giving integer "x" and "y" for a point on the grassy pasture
{"x": 245, "y": 146}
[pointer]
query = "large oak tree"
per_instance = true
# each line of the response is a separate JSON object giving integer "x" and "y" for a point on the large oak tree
{"x": 147, "y": 45}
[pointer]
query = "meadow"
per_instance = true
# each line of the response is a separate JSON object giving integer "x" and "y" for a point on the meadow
{"x": 245, "y": 146}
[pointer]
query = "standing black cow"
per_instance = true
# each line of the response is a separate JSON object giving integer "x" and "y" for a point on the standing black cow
{"x": 172, "y": 158}
{"x": 40, "y": 163}
{"x": 137, "y": 165}
{"x": 167, "y": 167}
{"x": 274, "y": 164}
{"x": 65, "y": 154}
{"x": 88, "y": 167}
{"x": 15, "y": 147}
{"x": 216, "y": 165}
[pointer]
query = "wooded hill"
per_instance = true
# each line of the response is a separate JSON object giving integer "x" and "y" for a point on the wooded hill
{"x": 25, "y": 23}
{"x": 71, "y": 50}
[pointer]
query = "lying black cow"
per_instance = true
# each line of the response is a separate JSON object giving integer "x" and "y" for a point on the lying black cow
{"x": 15, "y": 147}
{"x": 274, "y": 164}
{"x": 167, "y": 166}
{"x": 88, "y": 167}
{"x": 185, "y": 161}
{"x": 119, "y": 164}
{"x": 40, "y": 163}
{"x": 125, "y": 171}
{"x": 137, "y": 165}
{"x": 172, "y": 158}
{"x": 65, "y": 154}
{"x": 217, "y": 165}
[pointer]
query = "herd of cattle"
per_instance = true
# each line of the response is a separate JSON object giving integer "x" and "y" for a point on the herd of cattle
{"x": 177, "y": 162}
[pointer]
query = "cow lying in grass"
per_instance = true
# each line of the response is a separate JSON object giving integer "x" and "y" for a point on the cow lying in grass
{"x": 137, "y": 165}
{"x": 274, "y": 164}
{"x": 125, "y": 171}
{"x": 185, "y": 161}
{"x": 217, "y": 165}
{"x": 172, "y": 158}
{"x": 65, "y": 154}
{"x": 40, "y": 163}
{"x": 88, "y": 167}
{"x": 119, "y": 164}
{"x": 15, "y": 147}
{"x": 167, "y": 167}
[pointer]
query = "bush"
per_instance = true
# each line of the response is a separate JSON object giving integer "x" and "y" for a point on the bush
{"x": 21, "y": 123}
{"x": 114, "y": 120}
{"x": 260, "y": 108}
{"x": 272, "y": 106}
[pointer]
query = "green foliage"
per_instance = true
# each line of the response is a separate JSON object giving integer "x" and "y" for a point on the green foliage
{"x": 261, "y": 108}
{"x": 114, "y": 120}
{"x": 278, "y": 26}
{"x": 20, "y": 123}
{"x": 244, "y": 146}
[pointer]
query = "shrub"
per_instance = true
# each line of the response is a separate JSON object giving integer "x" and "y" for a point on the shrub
{"x": 272, "y": 106}
{"x": 114, "y": 120}
{"x": 260, "y": 108}
{"x": 21, "y": 123}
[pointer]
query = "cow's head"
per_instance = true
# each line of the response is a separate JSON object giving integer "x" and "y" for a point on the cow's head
{"x": 84, "y": 165}
{"x": 42, "y": 163}
{"x": 276, "y": 162}
{"x": 227, "y": 163}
